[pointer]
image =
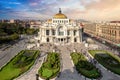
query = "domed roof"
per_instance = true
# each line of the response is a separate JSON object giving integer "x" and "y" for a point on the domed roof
{"x": 49, "y": 20}
{"x": 60, "y": 15}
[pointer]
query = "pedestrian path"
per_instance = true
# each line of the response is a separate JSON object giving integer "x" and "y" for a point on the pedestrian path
{"x": 68, "y": 71}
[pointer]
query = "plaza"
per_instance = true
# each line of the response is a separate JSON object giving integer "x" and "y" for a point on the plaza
{"x": 68, "y": 70}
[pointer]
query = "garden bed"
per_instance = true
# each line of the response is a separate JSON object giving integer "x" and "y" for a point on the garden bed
{"x": 18, "y": 65}
{"x": 84, "y": 67}
{"x": 107, "y": 59}
{"x": 51, "y": 67}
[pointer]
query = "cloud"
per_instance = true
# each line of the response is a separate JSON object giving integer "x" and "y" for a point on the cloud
{"x": 9, "y": 2}
{"x": 96, "y": 10}
{"x": 33, "y": 4}
{"x": 86, "y": 9}
{"x": 14, "y": 2}
{"x": 103, "y": 4}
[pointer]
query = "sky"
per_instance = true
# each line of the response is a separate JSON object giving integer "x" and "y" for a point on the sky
{"x": 99, "y": 10}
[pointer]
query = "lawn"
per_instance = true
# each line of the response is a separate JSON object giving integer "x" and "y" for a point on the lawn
{"x": 108, "y": 60}
{"x": 84, "y": 67}
{"x": 51, "y": 67}
{"x": 47, "y": 72}
{"x": 18, "y": 65}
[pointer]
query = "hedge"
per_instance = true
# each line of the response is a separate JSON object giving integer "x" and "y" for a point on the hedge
{"x": 84, "y": 67}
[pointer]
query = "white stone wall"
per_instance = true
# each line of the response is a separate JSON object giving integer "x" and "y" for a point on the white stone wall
{"x": 42, "y": 34}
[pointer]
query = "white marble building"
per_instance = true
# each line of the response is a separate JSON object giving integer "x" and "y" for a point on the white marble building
{"x": 60, "y": 30}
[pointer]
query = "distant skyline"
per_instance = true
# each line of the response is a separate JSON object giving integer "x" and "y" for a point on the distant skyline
{"x": 101, "y": 10}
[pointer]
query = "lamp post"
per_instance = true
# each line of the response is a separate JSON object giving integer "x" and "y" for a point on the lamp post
{"x": 85, "y": 78}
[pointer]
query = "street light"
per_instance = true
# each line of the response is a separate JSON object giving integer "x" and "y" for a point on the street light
{"x": 85, "y": 78}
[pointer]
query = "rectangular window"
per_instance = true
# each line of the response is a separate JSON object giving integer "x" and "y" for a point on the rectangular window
{"x": 53, "y": 32}
{"x": 74, "y": 32}
{"x": 68, "y": 32}
{"x": 47, "y": 32}
{"x": 61, "y": 33}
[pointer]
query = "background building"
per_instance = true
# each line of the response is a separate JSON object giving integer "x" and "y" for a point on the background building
{"x": 107, "y": 32}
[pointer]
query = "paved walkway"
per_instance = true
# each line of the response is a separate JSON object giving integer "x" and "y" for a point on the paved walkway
{"x": 68, "y": 72}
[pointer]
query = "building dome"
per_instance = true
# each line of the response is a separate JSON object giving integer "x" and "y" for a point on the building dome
{"x": 60, "y": 15}
{"x": 49, "y": 20}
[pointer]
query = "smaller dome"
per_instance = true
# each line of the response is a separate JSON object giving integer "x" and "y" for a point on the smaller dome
{"x": 49, "y": 20}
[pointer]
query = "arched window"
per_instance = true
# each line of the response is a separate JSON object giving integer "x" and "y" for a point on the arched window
{"x": 115, "y": 33}
{"x": 74, "y": 32}
{"x": 47, "y": 39}
{"x": 75, "y": 39}
{"x": 60, "y": 31}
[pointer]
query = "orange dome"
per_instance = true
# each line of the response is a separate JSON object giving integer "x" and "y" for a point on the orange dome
{"x": 60, "y": 15}
{"x": 49, "y": 20}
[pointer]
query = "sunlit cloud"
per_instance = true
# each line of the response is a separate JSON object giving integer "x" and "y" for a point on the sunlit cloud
{"x": 33, "y": 4}
{"x": 76, "y": 9}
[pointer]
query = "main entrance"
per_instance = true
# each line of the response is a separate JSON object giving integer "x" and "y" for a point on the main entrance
{"x": 61, "y": 40}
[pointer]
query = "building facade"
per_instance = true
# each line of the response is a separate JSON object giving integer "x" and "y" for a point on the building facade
{"x": 60, "y": 30}
{"x": 109, "y": 32}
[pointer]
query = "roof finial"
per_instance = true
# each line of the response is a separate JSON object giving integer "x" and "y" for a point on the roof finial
{"x": 60, "y": 10}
